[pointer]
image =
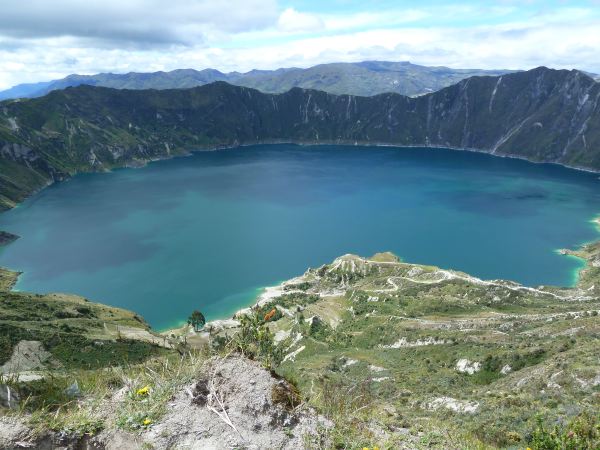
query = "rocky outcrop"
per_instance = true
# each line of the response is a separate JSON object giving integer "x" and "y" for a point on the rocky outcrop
{"x": 233, "y": 403}
{"x": 9, "y": 398}
{"x": 28, "y": 356}
{"x": 542, "y": 115}
{"x": 236, "y": 404}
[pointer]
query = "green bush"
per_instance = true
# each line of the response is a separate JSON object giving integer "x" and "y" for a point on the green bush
{"x": 581, "y": 433}
{"x": 255, "y": 340}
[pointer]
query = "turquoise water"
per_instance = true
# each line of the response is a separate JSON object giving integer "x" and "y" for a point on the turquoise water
{"x": 208, "y": 231}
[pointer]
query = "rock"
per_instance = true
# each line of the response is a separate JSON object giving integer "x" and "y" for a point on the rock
{"x": 73, "y": 391}
{"x": 389, "y": 410}
{"x": 466, "y": 366}
{"x": 117, "y": 440}
{"x": 262, "y": 411}
{"x": 8, "y": 397}
{"x": 13, "y": 434}
{"x": 374, "y": 368}
{"x": 27, "y": 356}
{"x": 459, "y": 406}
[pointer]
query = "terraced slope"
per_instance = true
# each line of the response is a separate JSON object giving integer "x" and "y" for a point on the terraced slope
{"x": 421, "y": 347}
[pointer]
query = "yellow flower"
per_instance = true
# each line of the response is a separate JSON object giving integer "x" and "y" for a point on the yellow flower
{"x": 143, "y": 391}
{"x": 375, "y": 448}
{"x": 365, "y": 448}
{"x": 146, "y": 422}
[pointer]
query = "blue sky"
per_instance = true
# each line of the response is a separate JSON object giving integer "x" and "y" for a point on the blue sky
{"x": 48, "y": 39}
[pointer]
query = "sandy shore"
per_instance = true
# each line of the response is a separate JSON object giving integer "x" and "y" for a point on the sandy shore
{"x": 267, "y": 295}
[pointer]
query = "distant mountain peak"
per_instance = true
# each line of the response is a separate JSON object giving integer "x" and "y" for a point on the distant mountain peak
{"x": 363, "y": 78}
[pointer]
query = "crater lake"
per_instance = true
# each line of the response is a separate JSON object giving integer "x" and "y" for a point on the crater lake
{"x": 210, "y": 230}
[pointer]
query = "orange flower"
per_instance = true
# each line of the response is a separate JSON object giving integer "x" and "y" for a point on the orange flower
{"x": 270, "y": 315}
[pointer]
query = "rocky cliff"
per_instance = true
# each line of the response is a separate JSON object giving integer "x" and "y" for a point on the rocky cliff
{"x": 543, "y": 115}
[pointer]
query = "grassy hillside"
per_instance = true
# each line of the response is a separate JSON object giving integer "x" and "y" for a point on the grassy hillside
{"x": 390, "y": 349}
{"x": 77, "y": 333}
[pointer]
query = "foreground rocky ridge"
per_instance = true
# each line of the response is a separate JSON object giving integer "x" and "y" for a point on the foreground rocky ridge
{"x": 541, "y": 115}
{"x": 213, "y": 404}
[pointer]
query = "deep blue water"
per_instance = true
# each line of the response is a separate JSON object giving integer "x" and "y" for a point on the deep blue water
{"x": 208, "y": 231}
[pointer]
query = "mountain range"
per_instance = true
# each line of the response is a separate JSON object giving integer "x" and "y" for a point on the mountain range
{"x": 379, "y": 350}
{"x": 363, "y": 78}
{"x": 542, "y": 115}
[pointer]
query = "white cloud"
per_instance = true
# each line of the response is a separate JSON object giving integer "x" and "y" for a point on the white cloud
{"x": 291, "y": 20}
{"x": 137, "y": 22}
{"x": 369, "y": 19}
{"x": 246, "y": 34}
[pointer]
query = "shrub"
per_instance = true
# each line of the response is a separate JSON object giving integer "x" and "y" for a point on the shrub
{"x": 581, "y": 433}
{"x": 255, "y": 340}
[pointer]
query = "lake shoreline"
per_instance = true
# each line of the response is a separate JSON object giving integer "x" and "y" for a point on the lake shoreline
{"x": 271, "y": 292}
{"x": 268, "y": 293}
{"x": 361, "y": 151}
{"x": 141, "y": 163}
{"x": 351, "y": 143}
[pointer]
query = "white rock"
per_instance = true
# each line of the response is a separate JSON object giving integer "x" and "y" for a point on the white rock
{"x": 414, "y": 271}
{"x": 403, "y": 342}
{"x": 281, "y": 335}
{"x": 380, "y": 379}
{"x": 466, "y": 366}
{"x": 292, "y": 356}
{"x": 460, "y": 406}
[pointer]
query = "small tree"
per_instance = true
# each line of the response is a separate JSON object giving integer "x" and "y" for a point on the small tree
{"x": 196, "y": 320}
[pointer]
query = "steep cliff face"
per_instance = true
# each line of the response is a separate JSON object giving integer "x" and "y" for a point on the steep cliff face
{"x": 543, "y": 115}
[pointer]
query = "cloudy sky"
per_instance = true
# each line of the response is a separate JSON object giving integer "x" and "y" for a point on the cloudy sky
{"x": 48, "y": 39}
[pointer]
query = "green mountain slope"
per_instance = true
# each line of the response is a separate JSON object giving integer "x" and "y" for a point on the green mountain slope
{"x": 542, "y": 115}
{"x": 364, "y": 78}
